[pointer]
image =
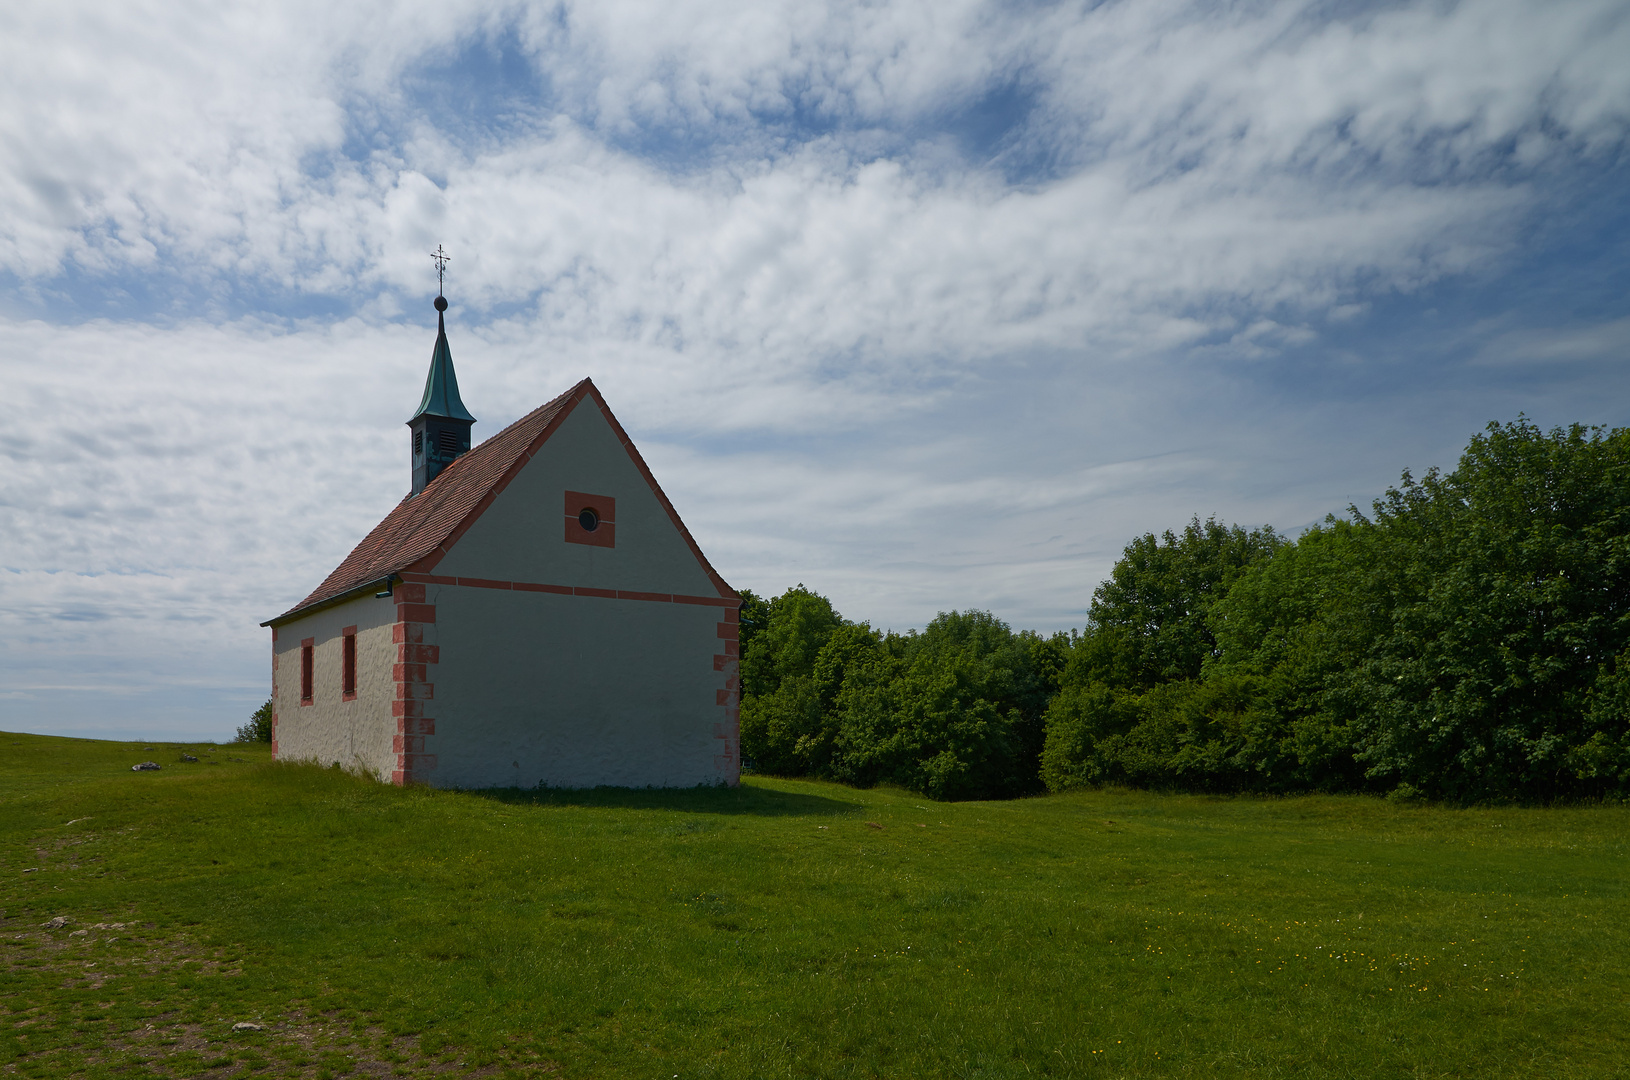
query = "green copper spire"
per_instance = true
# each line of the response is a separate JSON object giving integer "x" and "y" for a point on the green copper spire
{"x": 441, "y": 385}
{"x": 441, "y": 427}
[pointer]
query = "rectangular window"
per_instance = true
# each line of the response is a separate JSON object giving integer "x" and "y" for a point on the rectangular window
{"x": 418, "y": 443}
{"x": 348, "y": 664}
{"x": 448, "y": 442}
{"x": 308, "y": 649}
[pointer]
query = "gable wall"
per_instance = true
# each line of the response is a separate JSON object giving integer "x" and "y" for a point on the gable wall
{"x": 521, "y": 536}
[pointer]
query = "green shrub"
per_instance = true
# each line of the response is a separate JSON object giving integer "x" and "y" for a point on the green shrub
{"x": 1467, "y": 641}
{"x": 259, "y": 727}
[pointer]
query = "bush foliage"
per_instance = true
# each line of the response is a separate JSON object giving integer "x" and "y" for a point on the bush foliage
{"x": 259, "y": 727}
{"x": 954, "y": 712}
{"x": 1468, "y": 640}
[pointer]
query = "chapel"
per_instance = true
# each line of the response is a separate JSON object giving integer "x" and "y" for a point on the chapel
{"x": 532, "y": 613}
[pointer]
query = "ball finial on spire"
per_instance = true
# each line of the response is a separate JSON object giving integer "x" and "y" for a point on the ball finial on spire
{"x": 441, "y": 303}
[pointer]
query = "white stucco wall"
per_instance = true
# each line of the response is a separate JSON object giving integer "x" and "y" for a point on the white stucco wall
{"x": 355, "y": 734}
{"x": 572, "y": 691}
{"x": 520, "y": 537}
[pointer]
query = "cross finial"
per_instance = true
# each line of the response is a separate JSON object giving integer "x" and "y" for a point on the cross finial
{"x": 442, "y": 259}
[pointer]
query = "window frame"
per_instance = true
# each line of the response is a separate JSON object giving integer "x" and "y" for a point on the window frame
{"x": 348, "y": 664}
{"x": 308, "y": 671}
{"x": 604, "y": 533}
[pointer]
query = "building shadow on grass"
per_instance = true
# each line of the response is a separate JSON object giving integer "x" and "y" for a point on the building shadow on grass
{"x": 757, "y": 801}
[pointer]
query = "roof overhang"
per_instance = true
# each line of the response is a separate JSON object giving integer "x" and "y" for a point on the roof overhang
{"x": 328, "y": 602}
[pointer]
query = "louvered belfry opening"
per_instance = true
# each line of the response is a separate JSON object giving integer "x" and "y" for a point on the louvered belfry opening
{"x": 441, "y": 426}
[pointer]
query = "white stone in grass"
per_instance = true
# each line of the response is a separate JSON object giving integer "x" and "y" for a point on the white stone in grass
{"x": 57, "y": 923}
{"x": 146, "y": 766}
{"x": 244, "y": 1025}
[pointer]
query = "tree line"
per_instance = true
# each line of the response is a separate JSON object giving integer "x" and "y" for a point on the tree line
{"x": 1467, "y": 640}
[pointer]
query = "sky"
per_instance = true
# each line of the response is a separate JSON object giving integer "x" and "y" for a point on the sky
{"x": 926, "y": 306}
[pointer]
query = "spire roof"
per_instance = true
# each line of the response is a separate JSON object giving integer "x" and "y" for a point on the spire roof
{"x": 441, "y": 385}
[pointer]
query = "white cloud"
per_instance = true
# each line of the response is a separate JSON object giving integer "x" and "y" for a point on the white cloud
{"x": 215, "y": 134}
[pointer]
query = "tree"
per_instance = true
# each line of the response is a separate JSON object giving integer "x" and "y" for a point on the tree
{"x": 1467, "y": 640}
{"x": 753, "y": 615}
{"x": 259, "y": 727}
{"x": 1507, "y": 584}
{"x": 954, "y": 712}
{"x": 779, "y": 704}
{"x": 1148, "y": 622}
{"x": 1296, "y": 626}
{"x": 784, "y": 637}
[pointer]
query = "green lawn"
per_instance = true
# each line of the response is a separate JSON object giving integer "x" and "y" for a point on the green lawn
{"x": 786, "y": 929}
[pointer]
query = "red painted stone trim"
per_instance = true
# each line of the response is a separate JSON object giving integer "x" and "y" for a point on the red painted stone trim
{"x": 605, "y": 536}
{"x": 411, "y": 676}
{"x": 487, "y": 583}
{"x": 729, "y": 603}
{"x": 604, "y": 507}
{"x": 716, "y": 601}
{"x": 727, "y": 761}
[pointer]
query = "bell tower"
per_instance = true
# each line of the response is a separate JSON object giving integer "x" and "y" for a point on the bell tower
{"x": 441, "y": 427}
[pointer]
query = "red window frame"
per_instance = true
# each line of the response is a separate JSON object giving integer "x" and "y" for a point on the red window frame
{"x": 348, "y": 664}
{"x": 308, "y": 650}
{"x": 604, "y": 508}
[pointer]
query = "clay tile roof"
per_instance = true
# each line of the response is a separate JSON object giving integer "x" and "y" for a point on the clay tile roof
{"x": 421, "y": 523}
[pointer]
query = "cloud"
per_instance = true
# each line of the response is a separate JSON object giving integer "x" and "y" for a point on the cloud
{"x": 1609, "y": 341}
{"x": 282, "y": 142}
{"x": 958, "y": 296}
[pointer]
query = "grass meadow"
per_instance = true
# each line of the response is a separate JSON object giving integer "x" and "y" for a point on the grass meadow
{"x": 786, "y": 929}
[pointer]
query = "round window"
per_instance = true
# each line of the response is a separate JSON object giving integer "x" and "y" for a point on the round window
{"x": 589, "y": 520}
